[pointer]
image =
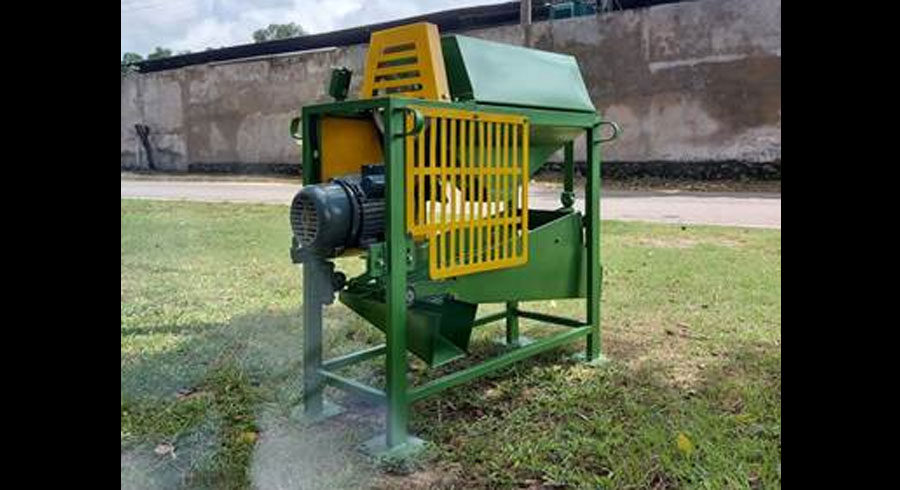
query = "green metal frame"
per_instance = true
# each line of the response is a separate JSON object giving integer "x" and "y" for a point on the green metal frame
{"x": 396, "y": 394}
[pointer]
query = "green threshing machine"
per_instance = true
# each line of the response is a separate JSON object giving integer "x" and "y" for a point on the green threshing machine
{"x": 426, "y": 177}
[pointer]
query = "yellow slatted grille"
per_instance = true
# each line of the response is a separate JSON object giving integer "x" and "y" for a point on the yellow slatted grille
{"x": 406, "y": 61}
{"x": 467, "y": 190}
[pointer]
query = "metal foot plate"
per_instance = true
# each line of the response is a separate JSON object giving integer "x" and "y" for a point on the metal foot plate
{"x": 377, "y": 447}
{"x": 601, "y": 360}
{"x": 328, "y": 410}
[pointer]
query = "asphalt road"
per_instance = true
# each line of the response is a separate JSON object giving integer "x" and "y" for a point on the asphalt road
{"x": 761, "y": 210}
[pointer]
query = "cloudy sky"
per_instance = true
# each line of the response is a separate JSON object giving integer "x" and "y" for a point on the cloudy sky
{"x": 197, "y": 24}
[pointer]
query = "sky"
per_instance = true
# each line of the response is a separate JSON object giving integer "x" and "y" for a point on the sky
{"x": 195, "y": 25}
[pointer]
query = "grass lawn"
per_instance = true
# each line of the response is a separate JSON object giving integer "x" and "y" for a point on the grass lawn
{"x": 211, "y": 368}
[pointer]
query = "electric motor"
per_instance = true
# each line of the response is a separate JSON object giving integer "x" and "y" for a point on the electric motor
{"x": 347, "y": 212}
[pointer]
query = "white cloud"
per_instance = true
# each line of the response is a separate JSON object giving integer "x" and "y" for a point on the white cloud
{"x": 197, "y": 24}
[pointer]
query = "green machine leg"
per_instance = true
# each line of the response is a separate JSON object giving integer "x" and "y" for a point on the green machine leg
{"x": 398, "y": 407}
{"x": 312, "y": 313}
{"x": 317, "y": 292}
{"x": 592, "y": 210}
{"x": 512, "y": 323}
{"x": 568, "y": 195}
{"x": 396, "y": 442}
{"x": 312, "y": 340}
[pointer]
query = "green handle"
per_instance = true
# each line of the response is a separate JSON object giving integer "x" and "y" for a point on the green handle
{"x": 615, "y": 134}
{"x": 295, "y": 128}
{"x": 418, "y": 122}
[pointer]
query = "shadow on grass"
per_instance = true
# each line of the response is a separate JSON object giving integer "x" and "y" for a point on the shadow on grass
{"x": 225, "y": 399}
{"x": 219, "y": 408}
{"x": 169, "y": 329}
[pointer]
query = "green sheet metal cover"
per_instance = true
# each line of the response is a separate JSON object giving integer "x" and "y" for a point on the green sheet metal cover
{"x": 436, "y": 332}
{"x": 496, "y": 73}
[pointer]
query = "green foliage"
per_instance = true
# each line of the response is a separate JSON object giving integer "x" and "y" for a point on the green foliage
{"x": 159, "y": 53}
{"x": 131, "y": 58}
{"x": 128, "y": 62}
{"x": 277, "y": 31}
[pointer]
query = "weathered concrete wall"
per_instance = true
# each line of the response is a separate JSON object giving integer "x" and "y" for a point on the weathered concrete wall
{"x": 226, "y": 113}
{"x": 689, "y": 82}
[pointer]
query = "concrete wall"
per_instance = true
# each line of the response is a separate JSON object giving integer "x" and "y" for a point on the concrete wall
{"x": 689, "y": 82}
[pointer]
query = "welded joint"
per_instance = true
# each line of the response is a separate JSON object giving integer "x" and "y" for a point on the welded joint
{"x": 295, "y": 130}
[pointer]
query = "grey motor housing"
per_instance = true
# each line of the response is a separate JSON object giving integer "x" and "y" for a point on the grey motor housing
{"x": 347, "y": 212}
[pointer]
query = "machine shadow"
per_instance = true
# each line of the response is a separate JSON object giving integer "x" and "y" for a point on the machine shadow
{"x": 193, "y": 380}
{"x": 263, "y": 351}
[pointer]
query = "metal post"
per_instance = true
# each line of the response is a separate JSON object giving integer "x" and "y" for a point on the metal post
{"x": 312, "y": 338}
{"x": 525, "y": 12}
{"x": 312, "y": 306}
{"x": 396, "y": 286}
{"x": 512, "y": 323}
{"x": 592, "y": 208}
{"x": 568, "y": 196}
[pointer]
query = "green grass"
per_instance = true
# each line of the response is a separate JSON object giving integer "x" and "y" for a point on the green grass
{"x": 211, "y": 349}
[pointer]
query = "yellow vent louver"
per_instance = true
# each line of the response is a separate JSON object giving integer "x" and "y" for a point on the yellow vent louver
{"x": 406, "y": 61}
{"x": 467, "y": 190}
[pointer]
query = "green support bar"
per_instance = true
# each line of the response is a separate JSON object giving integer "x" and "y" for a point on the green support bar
{"x": 398, "y": 406}
{"x": 355, "y": 357}
{"x": 592, "y": 209}
{"x": 490, "y": 365}
{"x": 537, "y": 117}
{"x": 352, "y": 107}
{"x": 568, "y": 195}
{"x": 558, "y": 320}
{"x": 512, "y": 323}
{"x": 353, "y": 386}
{"x": 308, "y": 163}
{"x": 493, "y": 317}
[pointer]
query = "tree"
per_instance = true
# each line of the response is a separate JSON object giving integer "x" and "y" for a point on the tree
{"x": 128, "y": 62}
{"x": 277, "y": 31}
{"x": 130, "y": 58}
{"x": 159, "y": 54}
